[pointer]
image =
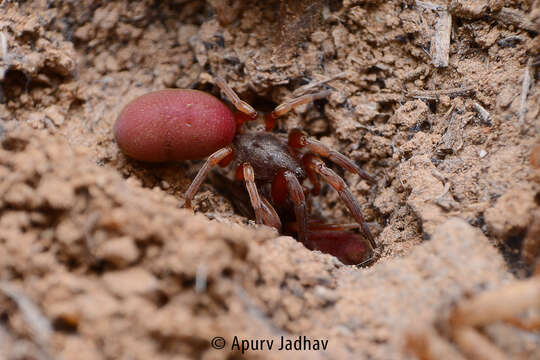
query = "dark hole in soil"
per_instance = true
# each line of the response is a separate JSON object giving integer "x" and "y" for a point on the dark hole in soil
{"x": 511, "y": 251}
{"x": 14, "y": 85}
{"x": 13, "y": 144}
{"x": 64, "y": 325}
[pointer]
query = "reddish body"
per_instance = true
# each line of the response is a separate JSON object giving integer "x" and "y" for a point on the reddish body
{"x": 174, "y": 125}
{"x": 347, "y": 246}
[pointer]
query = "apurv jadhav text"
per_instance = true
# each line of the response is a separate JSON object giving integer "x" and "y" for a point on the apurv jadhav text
{"x": 301, "y": 343}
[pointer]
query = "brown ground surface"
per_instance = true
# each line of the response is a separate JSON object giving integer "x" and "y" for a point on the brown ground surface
{"x": 97, "y": 259}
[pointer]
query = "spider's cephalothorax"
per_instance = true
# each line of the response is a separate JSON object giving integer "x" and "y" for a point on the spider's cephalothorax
{"x": 268, "y": 154}
{"x": 267, "y": 160}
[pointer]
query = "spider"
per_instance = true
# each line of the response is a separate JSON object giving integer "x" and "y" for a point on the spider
{"x": 278, "y": 166}
{"x": 180, "y": 124}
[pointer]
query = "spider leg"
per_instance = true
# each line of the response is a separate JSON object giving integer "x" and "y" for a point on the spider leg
{"x": 344, "y": 193}
{"x": 237, "y": 193}
{"x": 297, "y": 139}
{"x": 256, "y": 202}
{"x": 337, "y": 240}
{"x": 285, "y": 182}
{"x": 223, "y": 155}
{"x": 285, "y": 107}
{"x": 312, "y": 176}
{"x": 297, "y": 196}
{"x": 264, "y": 211}
{"x": 270, "y": 216}
{"x": 239, "y": 104}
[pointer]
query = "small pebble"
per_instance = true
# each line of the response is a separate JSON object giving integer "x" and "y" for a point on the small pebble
{"x": 165, "y": 185}
{"x": 120, "y": 251}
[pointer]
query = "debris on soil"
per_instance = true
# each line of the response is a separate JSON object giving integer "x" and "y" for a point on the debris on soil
{"x": 98, "y": 245}
{"x": 471, "y": 318}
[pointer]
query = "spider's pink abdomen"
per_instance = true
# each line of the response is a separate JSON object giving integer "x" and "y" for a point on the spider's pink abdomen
{"x": 174, "y": 125}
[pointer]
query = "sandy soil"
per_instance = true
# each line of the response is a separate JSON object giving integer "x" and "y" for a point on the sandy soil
{"x": 99, "y": 261}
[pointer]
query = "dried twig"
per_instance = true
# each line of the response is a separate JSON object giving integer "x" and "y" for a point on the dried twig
{"x": 3, "y": 47}
{"x": 426, "y": 343}
{"x": 201, "y": 278}
{"x": 4, "y": 55}
{"x": 499, "y": 304}
{"x": 525, "y": 86}
{"x": 469, "y": 316}
{"x": 38, "y": 323}
{"x": 89, "y": 242}
{"x": 510, "y": 41}
{"x": 476, "y": 345}
{"x": 430, "y": 6}
{"x": 440, "y": 42}
{"x": 515, "y": 17}
{"x": 435, "y": 94}
{"x": 31, "y": 313}
{"x": 303, "y": 89}
{"x": 484, "y": 114}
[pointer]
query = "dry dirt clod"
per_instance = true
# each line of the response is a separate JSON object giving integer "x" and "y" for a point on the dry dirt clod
{"x": 512, "y": 212}
{"x": 120, "y": 252}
